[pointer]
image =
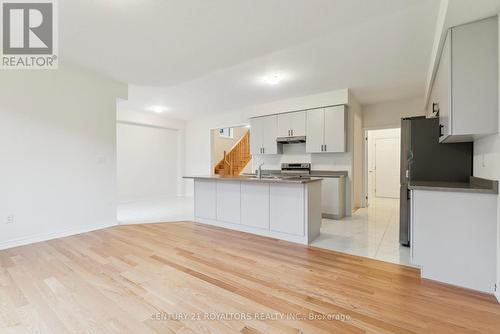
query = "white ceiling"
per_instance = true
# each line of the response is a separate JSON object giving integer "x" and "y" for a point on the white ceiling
{"x": 200, "y": 57}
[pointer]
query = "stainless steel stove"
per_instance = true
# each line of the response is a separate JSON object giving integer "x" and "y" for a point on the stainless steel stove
{"x": 296, "y": 170}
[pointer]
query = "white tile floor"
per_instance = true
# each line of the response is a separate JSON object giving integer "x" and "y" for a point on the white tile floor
{"x": 371, "y": 232}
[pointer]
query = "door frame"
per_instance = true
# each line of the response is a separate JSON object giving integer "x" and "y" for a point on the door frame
{"x": 364, "y": 200}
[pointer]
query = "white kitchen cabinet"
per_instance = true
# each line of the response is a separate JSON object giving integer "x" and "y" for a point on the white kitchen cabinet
{"x": 315, "y": 130}
{"x": 333, "y": 197}
{"x": 255, "y": 205}
{"x": 286, "y": 205}
{"x": 335, "y": 129}
{"x": 466, "y": 83}
{"x": 286, "y": 210}
{"x": 454, "y": 237}
{"x": 228, "y": 201}
{"x": 326, "y": 130}
{"x": 263, "y": 133}
{"x": 205, "y": 199}
{"x": 292, "y": 124}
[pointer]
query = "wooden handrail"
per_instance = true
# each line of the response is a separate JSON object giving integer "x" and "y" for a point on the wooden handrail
{"x": 238, "y": 157}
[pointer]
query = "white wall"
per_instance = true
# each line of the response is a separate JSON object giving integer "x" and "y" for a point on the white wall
{"x": 487, "y": 165}
{"x": 146, "y": 162}
{"x": 388, "y": 114}
{"x": 57, "y": 153}
{"x": 152, "y": 120}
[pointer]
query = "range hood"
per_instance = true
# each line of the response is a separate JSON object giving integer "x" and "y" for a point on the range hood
{"x": 291, "y": 140}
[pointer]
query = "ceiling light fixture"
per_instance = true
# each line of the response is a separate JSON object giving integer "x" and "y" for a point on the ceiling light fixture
{"x": 273, "y": 79}
{"x": 158, "y": 109}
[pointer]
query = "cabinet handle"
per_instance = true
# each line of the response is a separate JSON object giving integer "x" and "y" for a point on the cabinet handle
{"x": 441, "y": 130}
{"x": 325, "y": 147}
{"x": 291, "y": 132}
{"x": 263, "y": 150}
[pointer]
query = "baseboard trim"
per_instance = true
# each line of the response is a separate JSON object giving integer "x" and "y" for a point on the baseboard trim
{"x": 497, "y": 294}
{"x": 51, "y": 235}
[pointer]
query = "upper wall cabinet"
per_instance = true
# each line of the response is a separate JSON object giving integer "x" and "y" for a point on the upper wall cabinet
{"x": 465, "y": 88}
{"x": 326, "y": 130}
{"x": 263, "y": 133}
{"x": 292, "y": 124}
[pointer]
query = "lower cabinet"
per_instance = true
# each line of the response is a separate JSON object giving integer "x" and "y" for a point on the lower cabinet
{"x": 333, "y": 197}
{"x": 228, "y": 202}
{"x": 205, "y": 199}
{"x": 255, "y": 205}
{"x": 286, "y": 204}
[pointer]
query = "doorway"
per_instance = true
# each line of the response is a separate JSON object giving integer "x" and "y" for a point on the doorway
{"x": 230, "y": 145}
{"x": 149, "y": 175}
{"x": 383, "y": 149}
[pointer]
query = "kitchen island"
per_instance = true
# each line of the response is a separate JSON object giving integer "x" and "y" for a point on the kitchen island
{"x": 286, "y": 208}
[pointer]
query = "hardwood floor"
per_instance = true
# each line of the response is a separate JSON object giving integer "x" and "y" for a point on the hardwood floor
{"x": 145, "y": 278}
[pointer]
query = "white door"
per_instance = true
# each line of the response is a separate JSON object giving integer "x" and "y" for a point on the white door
{"x": 387, "y": 153}
{"x": 335, "y": 129}
{"x": 315, "y": 130}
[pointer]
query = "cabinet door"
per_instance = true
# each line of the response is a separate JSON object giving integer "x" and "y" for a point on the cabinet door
{"x": 335, "y": 129}
{"x": 256, "y": 135}
{"x": 228, "y": 201}
{"x": 315, "y": 130}
{"x": 298, "y": 123}
{"x": 255, "y": 204}
{"x": 269, "y": 129}
{"x": 474, "y": 66}
{"x": 284, "y": 125}
{"x": 286, "y": 206}
{"x": 443, "y": 76}
{"x": 205, "y": 193}
{"x": 330, "y": 196}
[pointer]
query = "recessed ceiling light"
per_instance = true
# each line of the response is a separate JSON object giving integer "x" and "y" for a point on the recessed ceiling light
{"x": 273, "y": 79}
{"x": 158, "y": 109}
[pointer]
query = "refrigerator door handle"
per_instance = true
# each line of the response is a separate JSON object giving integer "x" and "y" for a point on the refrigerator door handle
{"x": 410, "y": 156}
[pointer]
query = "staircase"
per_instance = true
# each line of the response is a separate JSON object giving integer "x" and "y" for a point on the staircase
{"x": 235, "y": 161}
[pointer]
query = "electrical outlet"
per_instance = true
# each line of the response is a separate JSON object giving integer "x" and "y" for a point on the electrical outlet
{"x": 9, "y": 220}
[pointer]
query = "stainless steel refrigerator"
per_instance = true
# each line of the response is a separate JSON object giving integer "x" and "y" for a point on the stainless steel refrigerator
{"x": 423, "y": 158}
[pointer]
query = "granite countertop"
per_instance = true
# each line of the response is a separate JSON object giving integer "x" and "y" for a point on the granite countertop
{"x": 475, "y": 185}
{"x": 249, "y": 178}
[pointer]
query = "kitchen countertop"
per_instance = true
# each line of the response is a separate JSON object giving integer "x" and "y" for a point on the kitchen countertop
{"x": 314, "y": 173}
{"x": 248, "y": 178}
{"x": 475, "y": 185}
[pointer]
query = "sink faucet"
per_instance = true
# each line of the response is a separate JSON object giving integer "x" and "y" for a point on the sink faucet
{"x": 259, "y": 171}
